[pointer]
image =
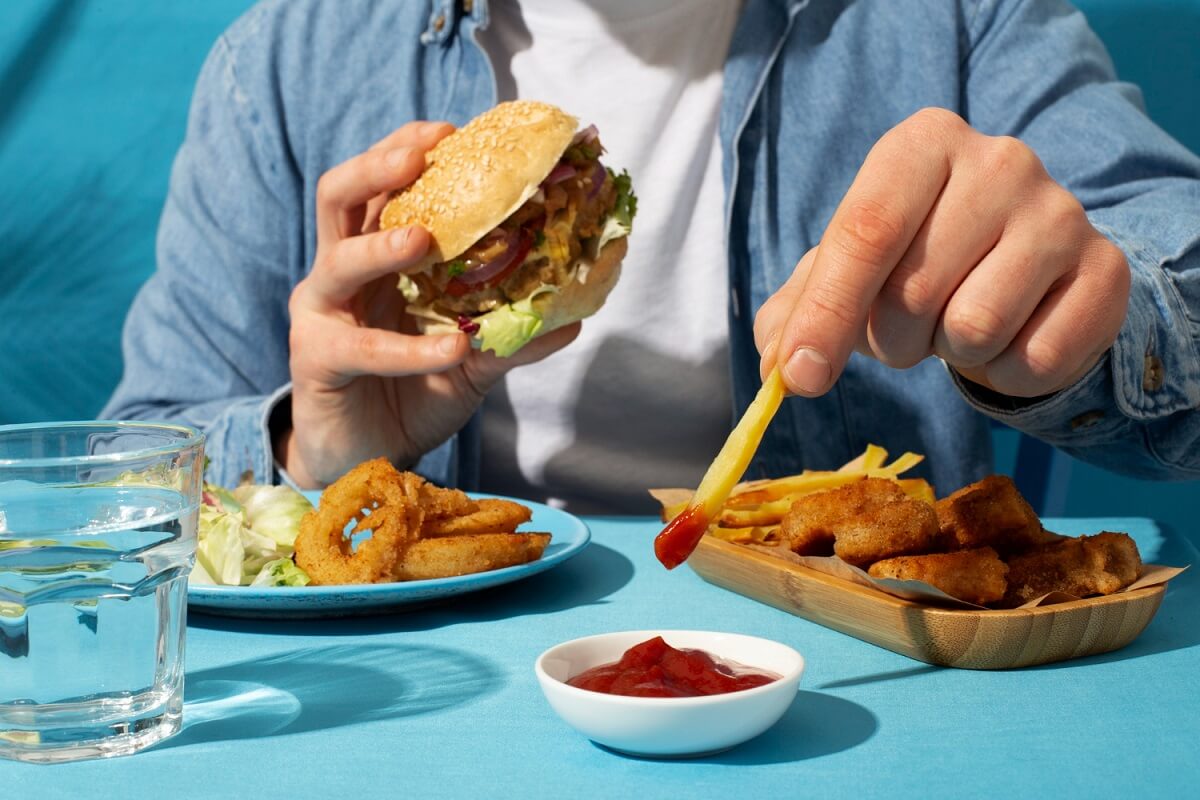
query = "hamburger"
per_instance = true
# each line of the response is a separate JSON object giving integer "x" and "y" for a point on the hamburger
{"x": 527, "y": 227}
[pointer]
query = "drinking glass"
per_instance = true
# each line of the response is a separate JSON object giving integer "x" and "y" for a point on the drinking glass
{"x": 97, "y": 537}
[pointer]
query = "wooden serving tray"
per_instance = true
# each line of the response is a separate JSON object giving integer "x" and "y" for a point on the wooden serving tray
{"x": 966, "y": 639}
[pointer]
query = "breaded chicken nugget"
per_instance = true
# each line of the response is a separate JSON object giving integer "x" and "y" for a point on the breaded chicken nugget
{"x": 860, "y": 522}
{"x": 974, "y": 576}
{"x": 1089, "y": 565}
{"x": 809, "y": 526}
{"x": 899, "y": 528}
{"x": 989, "y": 513}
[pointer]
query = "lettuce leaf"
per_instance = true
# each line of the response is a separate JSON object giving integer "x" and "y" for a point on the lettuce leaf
{"x": 199, "y": 575}
{"x": 620, "y": 222}
{"x": 274, "y": 511}
{"x": 229, "y": 552}
{"x": 507, "y": 329}
{"x": 280, "y": 572}
{"x": 219, "y": 549}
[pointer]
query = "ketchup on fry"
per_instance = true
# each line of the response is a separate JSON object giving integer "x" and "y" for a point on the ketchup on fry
{"x": 655, "y": 669}
{"x": 679, "y": 538}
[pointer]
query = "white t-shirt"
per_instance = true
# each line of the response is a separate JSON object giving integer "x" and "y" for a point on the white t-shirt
{"x": 642, "y": 398}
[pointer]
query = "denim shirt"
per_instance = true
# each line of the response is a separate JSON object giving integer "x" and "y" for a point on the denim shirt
{"x": 297, "y": 86}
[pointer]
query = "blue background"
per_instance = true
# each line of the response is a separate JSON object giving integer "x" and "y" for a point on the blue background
{"x": 93, "y": 103}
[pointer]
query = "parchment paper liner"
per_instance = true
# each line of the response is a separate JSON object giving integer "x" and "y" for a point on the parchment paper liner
{"x": 921, "y": 592}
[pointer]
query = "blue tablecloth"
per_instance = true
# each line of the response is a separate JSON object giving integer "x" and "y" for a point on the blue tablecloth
{"x": 442, "y": 702}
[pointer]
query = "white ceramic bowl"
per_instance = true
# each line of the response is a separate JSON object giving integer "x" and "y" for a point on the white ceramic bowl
{"x": 670, "y": 726}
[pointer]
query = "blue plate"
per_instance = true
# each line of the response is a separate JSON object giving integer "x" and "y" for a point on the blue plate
{"x": 570, "y": 535}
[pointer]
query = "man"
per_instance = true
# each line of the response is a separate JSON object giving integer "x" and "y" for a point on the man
{"x": 901, "y": 178}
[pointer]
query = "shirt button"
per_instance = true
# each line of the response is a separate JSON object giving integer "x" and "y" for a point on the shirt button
{"x": 1152, "y": 374}
{"x": 1086, "y": 420}
{"x": 439, "y": 22}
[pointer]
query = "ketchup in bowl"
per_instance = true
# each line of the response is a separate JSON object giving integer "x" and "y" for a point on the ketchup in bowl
{"x": 655, "y": 669}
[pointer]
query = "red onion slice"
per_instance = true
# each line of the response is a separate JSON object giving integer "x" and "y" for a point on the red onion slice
{"x": 490, "y": 269}
{"x": 560, "y": 173}
{"x": 588, "y": 134}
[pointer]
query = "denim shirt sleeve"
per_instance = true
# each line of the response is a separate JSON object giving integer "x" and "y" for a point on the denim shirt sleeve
{"x": 205, "y": 342}
{"x": 1036, "y": 71}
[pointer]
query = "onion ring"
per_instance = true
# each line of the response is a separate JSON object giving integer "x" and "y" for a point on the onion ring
{"x": 383, "y": 501}
{"x": 462, "y": 555}
{"x": 491, "y": 516}
{"x": 439, "y": 503}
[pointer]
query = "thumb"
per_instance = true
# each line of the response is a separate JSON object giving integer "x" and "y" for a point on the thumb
{"x": 821, "y": 330}
{"x": 853, "y": 260}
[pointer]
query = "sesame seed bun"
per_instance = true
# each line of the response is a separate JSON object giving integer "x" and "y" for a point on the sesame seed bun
{"x": 480, "y": 174}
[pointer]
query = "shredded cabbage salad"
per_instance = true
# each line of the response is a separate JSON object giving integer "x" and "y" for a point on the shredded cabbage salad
{"x": 246, "y": 536}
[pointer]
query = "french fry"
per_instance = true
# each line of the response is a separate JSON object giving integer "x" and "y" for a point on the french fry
{"x": 918, "y": 489}
{"x": 671, "y": 512}
{"x": 795, "y": 485}
{"x": 770, "y": 513}
{"x": 673, "y": 501}
{"x": 868, "y": 465}
{"x": 902, "y": 464}
{"x": 755, "y": 534}
{"x": 681, "y": 535}
{"x": 748, "y": 498}
{"x": 871, "y": 458}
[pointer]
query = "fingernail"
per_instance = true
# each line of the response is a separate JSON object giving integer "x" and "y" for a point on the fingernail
{"x": 767, "y": 360}
{"x": 807, "y": 371}
{"x": 398, "y": 238}
{"x": 396, "y": 158}
{"x": 448, "y": 345}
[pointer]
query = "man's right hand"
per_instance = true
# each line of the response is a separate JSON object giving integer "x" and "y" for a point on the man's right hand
{"x": 364, "y": 382}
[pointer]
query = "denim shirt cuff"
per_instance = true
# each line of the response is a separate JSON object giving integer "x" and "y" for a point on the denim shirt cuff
{"x": 1085, "y": 406}
{"x": 1150, "y": 372}
{"x": 239, "y": 440}
{"x": 1155, "y": 367}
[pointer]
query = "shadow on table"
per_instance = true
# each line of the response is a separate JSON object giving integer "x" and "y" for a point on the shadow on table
{"x": 1175, "y": 626}
{"x": 880, "y": 677}
{"x": 816, "y": 725}
{"x": 586, "y": 579}
{"x": 327, "y": 687}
